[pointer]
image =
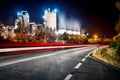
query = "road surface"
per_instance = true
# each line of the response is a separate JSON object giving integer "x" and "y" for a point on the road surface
{"x": 54, "y": 65}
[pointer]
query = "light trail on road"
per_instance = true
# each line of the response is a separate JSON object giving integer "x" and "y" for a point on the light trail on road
{"x": 36, "y": 57}
{"x": 34, "y": 48}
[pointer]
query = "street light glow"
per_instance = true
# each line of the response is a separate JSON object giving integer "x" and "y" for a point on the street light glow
{"x": 95, "y": 36}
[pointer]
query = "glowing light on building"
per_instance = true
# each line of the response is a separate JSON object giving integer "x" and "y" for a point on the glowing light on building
{"x": 55, "y": 10}
{"x": 43, "y": 17}
{"x": 46, "y": 11}
{"x": 61, "y": 31}
{"x": 18, "y": 14}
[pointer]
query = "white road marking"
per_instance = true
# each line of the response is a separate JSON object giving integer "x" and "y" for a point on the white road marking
{"x": 83, "y": 59}
{"x": 78, "y": 65}
{"x": 89, "y": 54}
{"x": 86, "y": 56}
{"x": 68, "y": 77}
{"x": 22, "y": 60}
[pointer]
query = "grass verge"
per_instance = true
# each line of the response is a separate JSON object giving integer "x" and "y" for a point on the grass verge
{"x": 107, "y": 55}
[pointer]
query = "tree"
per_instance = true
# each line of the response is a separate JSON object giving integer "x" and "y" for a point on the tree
{"x": 117, "y": 26}
{"x": 117, "y": 5}
{"x": 1, "y": 28}
{"x": 117, "y": 38}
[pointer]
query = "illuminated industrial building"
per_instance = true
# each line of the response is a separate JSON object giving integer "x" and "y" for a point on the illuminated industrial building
{"x": 50, "y": 19}
{"x": 23, "y": 18}
{"x": 32, "y": 28}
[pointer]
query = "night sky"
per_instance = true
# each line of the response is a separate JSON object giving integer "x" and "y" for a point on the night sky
{"x": 96, "y": 16}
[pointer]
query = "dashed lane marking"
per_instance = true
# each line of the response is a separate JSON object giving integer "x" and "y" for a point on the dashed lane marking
{"x": 89, "y": 54}
{"x": 86, "y": 56}
{"x": 78, "y": 65}
{"x": 83, "y": 59}
{"x": 68, "y": 77}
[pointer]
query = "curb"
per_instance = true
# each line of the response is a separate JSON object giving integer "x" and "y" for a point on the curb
{"x": 100, "y": 61}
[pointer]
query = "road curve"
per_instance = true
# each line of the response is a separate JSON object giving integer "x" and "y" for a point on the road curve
{"x": 52, "y": 65}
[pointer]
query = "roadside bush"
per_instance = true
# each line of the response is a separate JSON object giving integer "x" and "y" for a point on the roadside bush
{"x": 117, "y": 38}
{"x": 103, "y": 52}
{"x": 113, "y": 45}
{"x": 118, "y": 46}
{"x": 116, "y": 55}
{"x": 118, "y": 49}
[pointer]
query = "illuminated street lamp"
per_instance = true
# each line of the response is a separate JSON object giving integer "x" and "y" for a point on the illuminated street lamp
{"x": 95, "y": 36}
{"x": 87, "y": 34}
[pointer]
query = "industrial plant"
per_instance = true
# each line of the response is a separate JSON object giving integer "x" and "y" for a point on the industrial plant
{"x": 53, "y": 29}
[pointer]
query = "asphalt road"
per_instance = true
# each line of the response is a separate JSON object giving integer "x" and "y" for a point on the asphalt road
{"x": 52, "y": 65}
{"x": 56, "y": 65}
{"x": 94, "y": 70}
